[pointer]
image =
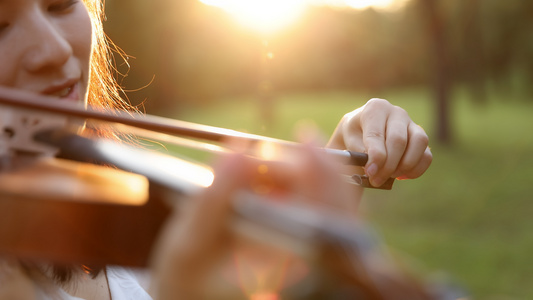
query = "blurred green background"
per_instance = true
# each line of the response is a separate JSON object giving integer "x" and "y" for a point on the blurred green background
{"x": 463, "y": 69}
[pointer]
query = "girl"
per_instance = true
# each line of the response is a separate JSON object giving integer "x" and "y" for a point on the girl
{"x": 58, "y": 48}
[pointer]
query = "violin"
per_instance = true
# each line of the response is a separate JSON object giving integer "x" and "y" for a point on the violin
{"x": 59, "y": 201}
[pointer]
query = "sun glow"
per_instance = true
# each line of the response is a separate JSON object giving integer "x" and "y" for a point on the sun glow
{"x": 362, "y": 4}
{"x": 271, "y": 15}
{"x": 262, "y": 15}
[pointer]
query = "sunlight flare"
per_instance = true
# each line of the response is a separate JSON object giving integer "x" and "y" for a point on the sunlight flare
{"x": 262, "y": 15}
{"x": 362, "y": 4}
{"x": 267, "y": 16}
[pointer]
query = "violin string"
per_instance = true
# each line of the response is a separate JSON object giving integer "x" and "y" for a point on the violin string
{"x": 152, "y": 137}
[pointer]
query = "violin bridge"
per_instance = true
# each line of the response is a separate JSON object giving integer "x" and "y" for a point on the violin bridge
{"x": 17, "y": 127}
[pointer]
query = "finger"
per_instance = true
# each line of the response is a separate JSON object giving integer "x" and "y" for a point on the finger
{"x": 374, "y": 126}
{"x": 186, "y": 234}
{"x": 316, "y": 176}
{"x": 416, "y": 147}
{"x": 313, "y": 172}
{"x": 396, "y": 143}
{"x": 348, "y": 133}
{"x": 317, "y": 181}
{"x": 196, "y": 237}
{"x": 421, "y": 166}
{"x": 231, "y": 173}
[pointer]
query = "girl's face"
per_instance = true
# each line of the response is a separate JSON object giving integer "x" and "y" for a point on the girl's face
{"x": 45, "y": 47}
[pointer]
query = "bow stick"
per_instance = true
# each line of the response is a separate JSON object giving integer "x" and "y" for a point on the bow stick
{"x": 27, "y": 100}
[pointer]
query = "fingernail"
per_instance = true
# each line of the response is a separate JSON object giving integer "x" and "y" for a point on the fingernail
{"x": 402, "y": 177}
{"x": 371, "y": 170}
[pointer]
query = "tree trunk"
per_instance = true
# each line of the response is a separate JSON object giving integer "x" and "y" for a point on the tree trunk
{"x": 441, "y": 68}
{"x": 473, "y": 66}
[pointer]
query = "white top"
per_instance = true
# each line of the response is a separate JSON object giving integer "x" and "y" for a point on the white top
{"x": 128, "y": 283}
{"x": 124, "y": 284}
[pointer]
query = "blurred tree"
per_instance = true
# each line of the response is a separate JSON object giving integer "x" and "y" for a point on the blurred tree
{"x": 188, "y": 52}
{"x": 473, "y": 52}
{"x": 192, "y": 53}
{"x": 441, "y": 66}
{"x": 508, "y": 27}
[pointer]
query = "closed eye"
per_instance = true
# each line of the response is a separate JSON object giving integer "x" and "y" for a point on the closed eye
{"x": 62, "y": 6}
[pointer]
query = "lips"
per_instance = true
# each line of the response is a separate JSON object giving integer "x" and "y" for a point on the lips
{"x": 62, "y": 93}
{"x": 68, "y": 90}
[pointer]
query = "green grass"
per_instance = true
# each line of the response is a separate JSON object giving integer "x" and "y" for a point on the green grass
{"x": 468, "y": 216}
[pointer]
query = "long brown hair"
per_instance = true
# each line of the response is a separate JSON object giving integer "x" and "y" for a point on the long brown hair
{"x": 104, "y": 92}
{"x": 103, "y": 88}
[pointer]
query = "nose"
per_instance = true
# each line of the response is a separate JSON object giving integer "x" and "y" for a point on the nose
{"x": 47, "y": 46}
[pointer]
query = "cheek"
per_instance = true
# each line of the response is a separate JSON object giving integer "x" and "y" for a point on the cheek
{"x": 4, "y": 71}
{"x": 80, "y": 36}
{"x": 9, "y": 62}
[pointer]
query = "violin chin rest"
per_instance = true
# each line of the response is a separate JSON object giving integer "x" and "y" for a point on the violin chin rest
{"x": 58, "y": 179}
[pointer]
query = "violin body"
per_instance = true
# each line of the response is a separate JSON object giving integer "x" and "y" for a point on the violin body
{"x": 66, "y": 212}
